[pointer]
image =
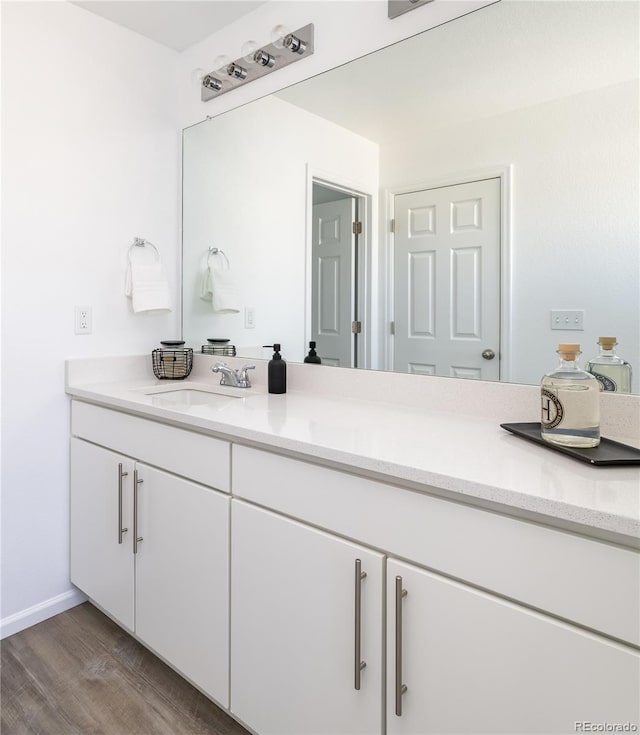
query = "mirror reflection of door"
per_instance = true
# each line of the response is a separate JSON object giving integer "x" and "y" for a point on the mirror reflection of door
{"x": 446, "y": 281}
{"x": 334, "y": 276}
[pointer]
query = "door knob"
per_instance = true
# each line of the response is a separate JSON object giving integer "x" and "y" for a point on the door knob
{"x": 488, "y": 354}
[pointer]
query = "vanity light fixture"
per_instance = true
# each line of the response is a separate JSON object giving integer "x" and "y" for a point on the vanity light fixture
{"x": 209, "y": 82}
{"x": 235, "y": 70}
{"x": 285, "y": 48}
{"x": 263, "y": 58}
{"x": 295, "y": 44}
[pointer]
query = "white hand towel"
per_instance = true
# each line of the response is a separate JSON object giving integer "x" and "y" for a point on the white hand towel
{"x": 148, "y": 287}
{"x": 217, "y": 286}
{"x": 206, "y": 287}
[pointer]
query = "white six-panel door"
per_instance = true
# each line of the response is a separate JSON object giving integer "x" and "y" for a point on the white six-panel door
{"x": 447, "y": 281}
{"x": 332, "y": 299}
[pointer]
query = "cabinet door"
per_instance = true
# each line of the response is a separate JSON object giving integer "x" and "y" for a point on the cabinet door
{"x": 293, "y": 628}
{"x": 101, "y": 550}
{"x": 182, "y": 577}
{"x": 474, "y": 663}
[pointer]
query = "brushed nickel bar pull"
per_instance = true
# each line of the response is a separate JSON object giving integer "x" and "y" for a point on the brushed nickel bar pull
{"x": 136, "y": 538}
{"x": 400, "y": 687}
{"x": 359, "y": 663}
{"x": 121, "y": 530}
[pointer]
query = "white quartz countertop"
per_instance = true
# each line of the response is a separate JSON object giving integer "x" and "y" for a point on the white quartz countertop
{"x": 465, "y": 456}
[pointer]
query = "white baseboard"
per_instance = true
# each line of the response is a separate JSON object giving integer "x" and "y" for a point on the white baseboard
{"x": 37, "y": 613}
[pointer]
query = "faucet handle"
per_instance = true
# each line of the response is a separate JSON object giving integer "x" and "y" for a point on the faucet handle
{"x": 216, "y": 368}
{"x": 243, "y": 377}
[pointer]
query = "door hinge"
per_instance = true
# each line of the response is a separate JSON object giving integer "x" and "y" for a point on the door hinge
{"x": 357, "y": 228}
{"x": 392, "y": 327}
{"x": 356, "y": 327}
{"x": 392, "y": 226}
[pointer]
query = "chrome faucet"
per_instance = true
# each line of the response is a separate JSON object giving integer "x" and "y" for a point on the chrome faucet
{"x": 234, "y": 378}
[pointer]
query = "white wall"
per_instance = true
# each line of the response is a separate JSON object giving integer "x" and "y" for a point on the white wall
{"x": 238, "y": 161}
{"x": 90, "y": 159}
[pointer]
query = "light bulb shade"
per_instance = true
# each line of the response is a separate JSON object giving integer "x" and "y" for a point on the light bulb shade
{"x": 221, "y": 62}
{"x": 278, "y": 34}
{"x": 248, "y": 50}
{"x": 197, "y": 74}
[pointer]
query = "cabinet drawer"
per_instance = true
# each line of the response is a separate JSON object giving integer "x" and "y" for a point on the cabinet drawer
{"x": 185, "y": 453}
{"x": 587, "y": 581}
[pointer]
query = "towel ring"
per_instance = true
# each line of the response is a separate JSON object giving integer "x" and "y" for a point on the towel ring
{"x": 140, "y": 242}
{"x": 217, "y": 251}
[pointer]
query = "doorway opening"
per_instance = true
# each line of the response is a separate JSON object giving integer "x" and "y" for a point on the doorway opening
{"x": 338, "y": 264}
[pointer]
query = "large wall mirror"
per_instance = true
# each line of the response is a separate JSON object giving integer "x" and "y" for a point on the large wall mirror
{"x": 491, "y": 166}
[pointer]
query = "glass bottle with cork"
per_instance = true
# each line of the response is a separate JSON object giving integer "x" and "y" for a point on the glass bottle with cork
{"x": 570, "y": 402}
{"x": 612, "y": 372}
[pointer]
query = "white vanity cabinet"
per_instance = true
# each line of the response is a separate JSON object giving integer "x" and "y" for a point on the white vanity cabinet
{"x": 182, "y": 577}
{"x": 471, "y": 657}
{"x": 474, "y": 663}
{"x": 306, "y": 612}
{"x": 101, "y": 528}
{"x": 171, "y": 588}
{"x": 282, "y": 596}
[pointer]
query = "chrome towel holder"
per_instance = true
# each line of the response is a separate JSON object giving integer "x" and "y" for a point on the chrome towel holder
{"x": 140, "y": 242}
{"x": 217, "y": 251}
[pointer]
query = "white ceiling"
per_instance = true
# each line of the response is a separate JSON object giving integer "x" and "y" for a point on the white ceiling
{"x": 496, "y": 60}
{"x": 177, "y": 24}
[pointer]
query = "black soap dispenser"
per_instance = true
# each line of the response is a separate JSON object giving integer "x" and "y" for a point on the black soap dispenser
{"x": 277, "y": 371}
{"x": 312, "y": 357}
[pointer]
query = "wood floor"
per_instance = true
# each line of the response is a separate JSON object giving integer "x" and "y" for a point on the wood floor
{"x": 78, "y": 673}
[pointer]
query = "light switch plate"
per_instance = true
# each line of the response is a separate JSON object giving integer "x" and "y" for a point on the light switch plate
{"x": 567, "y": 319}
{"x": 249, "y": 317}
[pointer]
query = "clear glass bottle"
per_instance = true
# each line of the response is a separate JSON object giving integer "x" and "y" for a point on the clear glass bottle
{"x": 612, "y": 372}
{"x": 570, "y": 402}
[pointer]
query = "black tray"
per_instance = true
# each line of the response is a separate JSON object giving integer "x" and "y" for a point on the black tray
{"x": 607, "y": 452}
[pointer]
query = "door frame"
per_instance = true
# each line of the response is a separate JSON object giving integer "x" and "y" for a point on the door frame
{"x": 505, "y": 174}
{"x": 366, "y": 287}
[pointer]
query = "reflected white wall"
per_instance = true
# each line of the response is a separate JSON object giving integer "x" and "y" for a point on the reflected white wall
{"x": 245, "y": 192}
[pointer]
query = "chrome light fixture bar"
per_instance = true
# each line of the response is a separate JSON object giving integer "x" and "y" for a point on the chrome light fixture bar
{"x": 293, "y": 47}
{"x": 399, "y": 7}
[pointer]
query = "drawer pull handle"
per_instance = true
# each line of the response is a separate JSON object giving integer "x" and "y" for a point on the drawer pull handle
{"x": 121, "y": 530}
{"x": 359, "y": 664}
{"x": 136, "y": 539}
{"x": 400, "y": 687}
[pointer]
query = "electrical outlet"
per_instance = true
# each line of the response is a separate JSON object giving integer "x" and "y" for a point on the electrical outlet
{"x": 249, "y": 318}
{"x": 83, "y": 320}
{"x": 567, "y": 319}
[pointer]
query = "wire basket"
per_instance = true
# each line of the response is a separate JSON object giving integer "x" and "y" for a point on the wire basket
{"x": 221, "y": 350}
{"x": 172, "y": 364}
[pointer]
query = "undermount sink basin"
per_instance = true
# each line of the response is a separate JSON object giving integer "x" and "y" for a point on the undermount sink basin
{"x": 190, "y": 394}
